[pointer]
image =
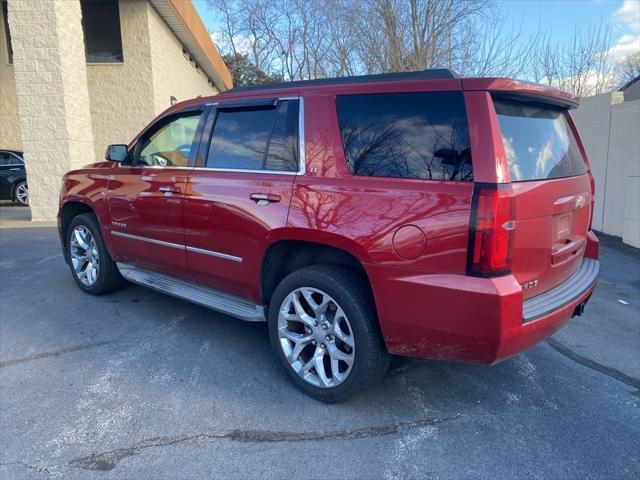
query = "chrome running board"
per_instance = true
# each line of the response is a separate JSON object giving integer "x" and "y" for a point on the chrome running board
{"x": 206, "y": 297}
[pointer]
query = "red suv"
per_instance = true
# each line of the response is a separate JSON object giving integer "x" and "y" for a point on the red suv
{"x": 415, "y": 214}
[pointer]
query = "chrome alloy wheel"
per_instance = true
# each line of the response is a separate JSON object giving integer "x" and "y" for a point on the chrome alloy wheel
{"x": 84, "y": 255}
{"x": 22, "y": 193}
{"x": 316, "y": 337}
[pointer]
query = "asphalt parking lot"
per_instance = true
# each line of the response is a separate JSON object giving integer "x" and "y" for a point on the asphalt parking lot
{"x": 140, "y": 385}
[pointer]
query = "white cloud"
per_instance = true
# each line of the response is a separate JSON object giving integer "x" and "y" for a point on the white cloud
{"x": 627, "y": 20}
{"x": 629, "y": 13}
{"x": 242, "y": 43}
{"x": 626, "y": 45}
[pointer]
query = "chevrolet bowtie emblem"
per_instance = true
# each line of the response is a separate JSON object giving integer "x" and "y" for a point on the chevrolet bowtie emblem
{"x": 580, "y": 201}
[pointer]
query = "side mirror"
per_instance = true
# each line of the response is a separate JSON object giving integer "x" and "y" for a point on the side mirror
{"x": 116, "y": 153}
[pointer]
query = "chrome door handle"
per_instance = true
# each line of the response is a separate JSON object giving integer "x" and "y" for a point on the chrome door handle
{"x": 264, "y": 198}
{"x": 169, "y": 189}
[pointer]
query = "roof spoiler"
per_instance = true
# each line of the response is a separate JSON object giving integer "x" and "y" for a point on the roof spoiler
{"x": 522, "y": 90}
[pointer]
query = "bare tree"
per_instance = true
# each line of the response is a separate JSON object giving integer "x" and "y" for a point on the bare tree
{"x": 628, "y": 69}
{"x": 581, "y": 66}
{"x": 304, "y": 39}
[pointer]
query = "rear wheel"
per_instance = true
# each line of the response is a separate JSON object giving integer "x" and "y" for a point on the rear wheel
{"x": 324, "y": 331}
{"x": 21, "y": 193}
{"x": 91, "y": 265}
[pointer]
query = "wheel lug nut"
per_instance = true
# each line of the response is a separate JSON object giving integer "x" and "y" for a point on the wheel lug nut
{"x": 313, "y": 342}
{"x": 322, "y": 345}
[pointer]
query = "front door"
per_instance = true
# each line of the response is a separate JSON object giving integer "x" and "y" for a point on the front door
{"x": 146, "y": 195}
{"x": 241, "y": 195}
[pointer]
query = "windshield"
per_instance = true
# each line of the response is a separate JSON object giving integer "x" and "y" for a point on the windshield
{"x": 537, "y": 141}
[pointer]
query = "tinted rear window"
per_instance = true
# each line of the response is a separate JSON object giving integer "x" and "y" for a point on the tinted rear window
{"x": 538, "y": 141}
{"x": 421, "y": 135}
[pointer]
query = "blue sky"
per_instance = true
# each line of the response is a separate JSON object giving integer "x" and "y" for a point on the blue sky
{"x": 557, "y": 16}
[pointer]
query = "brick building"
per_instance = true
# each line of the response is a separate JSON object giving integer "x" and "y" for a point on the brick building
{"x": 77, "y": 75}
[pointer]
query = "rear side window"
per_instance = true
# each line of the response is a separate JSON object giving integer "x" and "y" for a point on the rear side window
{"x": 256, "y": 138}
{"x": 538, "y": 141}
{"x": 421, "y": 135}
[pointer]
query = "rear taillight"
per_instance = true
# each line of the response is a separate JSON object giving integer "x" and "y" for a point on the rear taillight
{"x": 491, "y": 230}
{"x": 592, "y": 184}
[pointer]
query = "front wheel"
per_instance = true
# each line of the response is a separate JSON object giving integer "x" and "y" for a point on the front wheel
{"x": 324, "y": 331}
{"x": 92, "y": 267}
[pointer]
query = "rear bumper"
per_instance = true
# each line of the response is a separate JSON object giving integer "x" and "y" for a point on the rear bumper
{"x": 461, "y": 318}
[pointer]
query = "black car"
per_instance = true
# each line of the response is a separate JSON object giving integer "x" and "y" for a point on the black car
{"x": 13, "y": 177}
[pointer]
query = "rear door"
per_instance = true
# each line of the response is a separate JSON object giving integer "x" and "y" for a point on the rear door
{"x": 552, "y": 192}
{"x": 240, "y": 196}
{"x": 146, "y": 197}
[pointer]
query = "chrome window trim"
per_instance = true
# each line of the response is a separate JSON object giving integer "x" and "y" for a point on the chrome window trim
{"x": 203, "y": 251}
{"x": 154, "y": 167}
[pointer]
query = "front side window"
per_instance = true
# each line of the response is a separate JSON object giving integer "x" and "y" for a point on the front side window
{"x": 170, "y": 144}
{"x": 537, "y": 141}
{"x": 9, "y": 159}
{"x": 101, "y": 25}
{"x": 421, "y": 135}
{"x": 256, "y": 138}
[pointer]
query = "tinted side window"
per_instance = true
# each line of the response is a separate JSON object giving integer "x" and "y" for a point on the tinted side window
{"x": 283, "y": 146}
{"x": 7, "y": 158}
{"x": 421, "y": 135}
{"x": 263, "y": 138}
{"x": 170, "y": 144}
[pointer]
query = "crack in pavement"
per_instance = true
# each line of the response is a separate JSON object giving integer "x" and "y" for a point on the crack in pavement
{"x": 43, "y": 470}
{"x": 106, "y": 461}
{"x": 598, "y": 367}
{"x": 38, "y": 356}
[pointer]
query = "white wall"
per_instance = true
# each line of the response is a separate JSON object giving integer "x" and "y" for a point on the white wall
{"x": 610, "y": 131}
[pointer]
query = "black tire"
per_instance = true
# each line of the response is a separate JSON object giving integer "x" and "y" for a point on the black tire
{"x": 350, "y": 291}
{"x": 109, "y": 277}
{"x": 18, "y": 199}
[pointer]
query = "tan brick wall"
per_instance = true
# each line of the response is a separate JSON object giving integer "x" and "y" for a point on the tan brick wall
{"x": 173, "y": 74}
{"x": 53, "y": 101}
{"x": 121, "y": 94}
{"x": 9, "y": 120}
{"x": 126, "y": 96}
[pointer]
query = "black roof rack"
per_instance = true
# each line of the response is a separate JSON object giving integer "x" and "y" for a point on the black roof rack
{"x": 380, "y": 77}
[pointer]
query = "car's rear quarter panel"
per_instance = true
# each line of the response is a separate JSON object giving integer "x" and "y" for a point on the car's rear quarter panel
{"x": 329, "y": 204}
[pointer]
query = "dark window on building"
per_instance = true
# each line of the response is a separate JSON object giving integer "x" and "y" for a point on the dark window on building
{"x": 101, "y": 25}
{"x": 421, "y": 135}
{"x": 5, "y": 20}
{"x": 538, "y": 141}
{"x": 256, "y": 138}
